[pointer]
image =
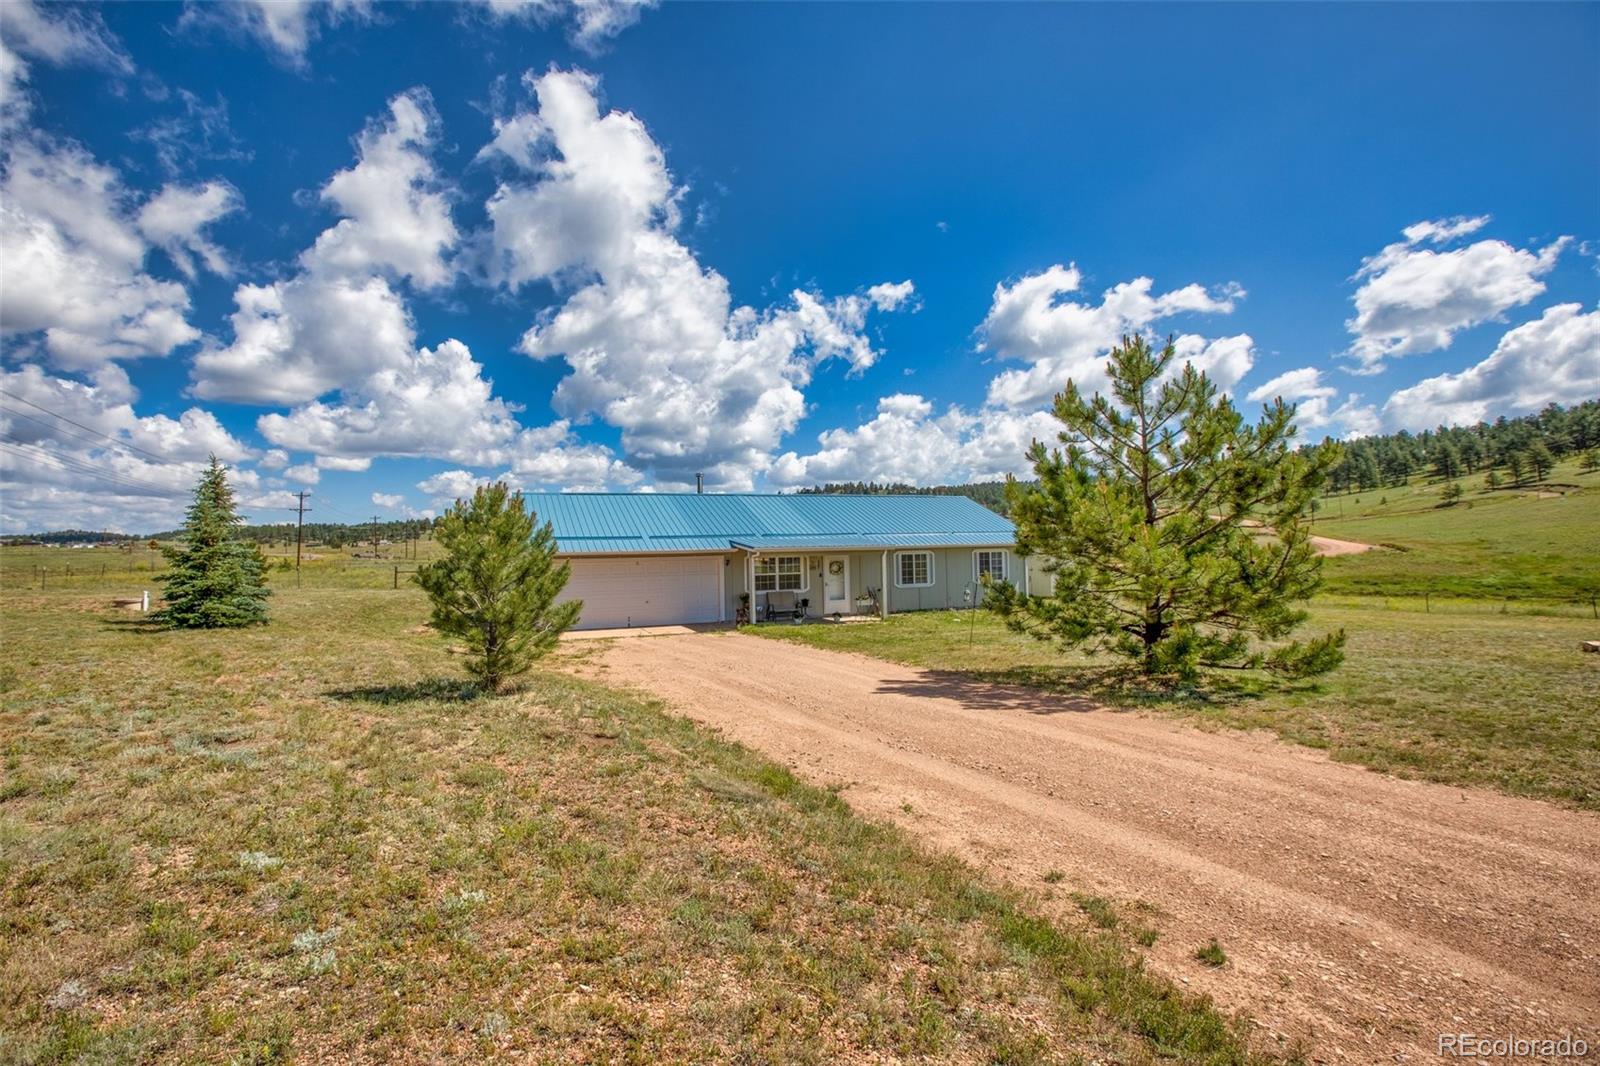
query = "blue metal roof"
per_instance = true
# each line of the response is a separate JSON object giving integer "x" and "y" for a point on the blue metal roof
{"x": 625, "y": 523}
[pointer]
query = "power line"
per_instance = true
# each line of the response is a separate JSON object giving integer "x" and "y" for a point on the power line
{"x": 52, "y": 427}
{"x": 73, "y": 465}
{"x": 54, "y": 414}
{"x": 129, "y": 483}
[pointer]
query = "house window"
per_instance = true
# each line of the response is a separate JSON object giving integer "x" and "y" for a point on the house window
{"x": 779, "y": 573}
{"x": 989, "y": 562}
{"x": 913, "y": 569}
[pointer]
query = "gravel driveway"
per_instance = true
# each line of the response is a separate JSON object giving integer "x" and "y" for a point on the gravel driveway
{"x": 1360, "y": 912}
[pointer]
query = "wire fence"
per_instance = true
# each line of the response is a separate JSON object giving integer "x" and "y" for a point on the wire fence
{"x": 116, "y": 572}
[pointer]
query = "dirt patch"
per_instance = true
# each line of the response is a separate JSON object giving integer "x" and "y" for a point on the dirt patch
{"x": 1330, "y": 546}
{"x": 1321, "y": 545}
{"x": 1360, "y": 912}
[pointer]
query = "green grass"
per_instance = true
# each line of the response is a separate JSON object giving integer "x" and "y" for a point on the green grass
{"x": 1494, "y": 544}
{"x": 1465, "y": 696}
{"x": 1212, "y": 954}
{"x": 312, "y": 841}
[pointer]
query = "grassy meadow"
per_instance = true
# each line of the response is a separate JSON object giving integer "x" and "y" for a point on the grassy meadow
{"x": 1538, "y": 542}
{"x": 311, "y": 842}
{"x": 1462, "y": 664}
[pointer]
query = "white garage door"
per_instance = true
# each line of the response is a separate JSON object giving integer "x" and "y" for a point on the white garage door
{"x": 646, "y": 590}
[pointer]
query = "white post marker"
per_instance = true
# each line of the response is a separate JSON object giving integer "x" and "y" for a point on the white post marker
{"x": 144, "y": 602}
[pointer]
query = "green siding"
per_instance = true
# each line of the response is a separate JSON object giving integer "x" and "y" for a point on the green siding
{"x": 952, "y": 574}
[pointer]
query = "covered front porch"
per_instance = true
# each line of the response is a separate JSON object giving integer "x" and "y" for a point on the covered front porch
{"x": 798, "y": 583}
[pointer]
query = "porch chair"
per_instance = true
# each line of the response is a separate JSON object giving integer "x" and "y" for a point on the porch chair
{"x": 785, "y": 605}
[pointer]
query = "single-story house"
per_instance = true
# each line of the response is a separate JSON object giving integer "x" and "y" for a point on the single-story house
{"x": 642, "y": 559}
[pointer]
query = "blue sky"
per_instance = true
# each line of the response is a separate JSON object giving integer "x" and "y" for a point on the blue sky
{"x": 385, "y": 251}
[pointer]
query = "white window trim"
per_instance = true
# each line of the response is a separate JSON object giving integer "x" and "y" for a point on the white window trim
{"x": 918, "y": 584}
{"x": 779, "y": 573}
{"x": 1005, "y": 563}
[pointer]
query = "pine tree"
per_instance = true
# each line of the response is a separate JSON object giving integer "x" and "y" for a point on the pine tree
{"x": 1518, "y": 462}
{"x": 1541, "y": 460}
{"x": 1175, "y": 530}
{"x": 496, "y": 586}
{"x": 213, "y": 580}
{"x": 1447, "y": 461}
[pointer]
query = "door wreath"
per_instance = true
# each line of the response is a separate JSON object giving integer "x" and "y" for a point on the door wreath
{"x": 836, "y": 568}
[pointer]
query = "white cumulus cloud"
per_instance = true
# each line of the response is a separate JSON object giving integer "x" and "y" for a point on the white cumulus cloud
{"x": 64, "y": 472}
{"x": 437, "y": 404}
{"x": 655, "y": 344}
{"x": 341, "y": 324}
{"x": 591, "y": 22}
{"x": 1415, "y": 299}
{"x": 908, "y": 442}
{"x": 285, "y": 27}
{"x": 175, "y": 220}
{"x": 1553, "y": 359}
{"x": 1317, "y": 403}
{"x": 1034, "y": 320}
{"x": 73, "y": 263}
{"x": 55, "y": 34}
{"x": 341, "y": 317}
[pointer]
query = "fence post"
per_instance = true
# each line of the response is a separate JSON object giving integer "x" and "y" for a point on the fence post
{"x": 397, "y": 577}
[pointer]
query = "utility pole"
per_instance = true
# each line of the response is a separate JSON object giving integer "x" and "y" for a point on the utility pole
{"x": 299, "y": 525}
{"x": 374, "y": 536}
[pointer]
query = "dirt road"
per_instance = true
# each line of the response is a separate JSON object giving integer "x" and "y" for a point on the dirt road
{"x": 1330, "y": 546}
{"x": 1359, "y": 912}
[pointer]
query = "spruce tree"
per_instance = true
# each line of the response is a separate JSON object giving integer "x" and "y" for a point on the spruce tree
{"x": 213, "y": 580}
{"x": 1175, "y": 530}
{"x": 496, "y": 586}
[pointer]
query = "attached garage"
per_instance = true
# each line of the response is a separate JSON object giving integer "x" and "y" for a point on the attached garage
{"x": 651, "y": 590}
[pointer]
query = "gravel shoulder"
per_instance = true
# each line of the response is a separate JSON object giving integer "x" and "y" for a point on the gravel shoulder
{"x": 1361, "y": 913}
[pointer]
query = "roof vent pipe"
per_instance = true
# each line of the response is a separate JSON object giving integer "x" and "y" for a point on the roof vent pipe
{"x": 699, "y": 484}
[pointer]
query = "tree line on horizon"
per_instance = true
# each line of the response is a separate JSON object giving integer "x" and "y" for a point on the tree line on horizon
{"x": 275, "y": 534}
{"x": 1524, "y": 448}
{"x": 1510, "y": 451}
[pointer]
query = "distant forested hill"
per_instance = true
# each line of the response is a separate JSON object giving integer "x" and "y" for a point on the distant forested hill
{"x": 1521, "y": 449}
{"x": 992, "y": 494}
{"x": 1517, "y": 450}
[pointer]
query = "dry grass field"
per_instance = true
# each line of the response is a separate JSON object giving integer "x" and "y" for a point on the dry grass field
{"x": 309, "y": 842}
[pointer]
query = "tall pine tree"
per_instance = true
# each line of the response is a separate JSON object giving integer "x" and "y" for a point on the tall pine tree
{"x": 496, "y": 586}
{"x": 1175, "y": 530}
{"x": 213, "y": 580}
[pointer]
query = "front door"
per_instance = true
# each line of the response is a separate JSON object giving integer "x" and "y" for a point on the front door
{"x": 835, "y": 585}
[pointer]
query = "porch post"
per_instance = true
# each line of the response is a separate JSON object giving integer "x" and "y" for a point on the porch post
{"x": 750, "y": 582}
{"x": 883, "y": 596}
